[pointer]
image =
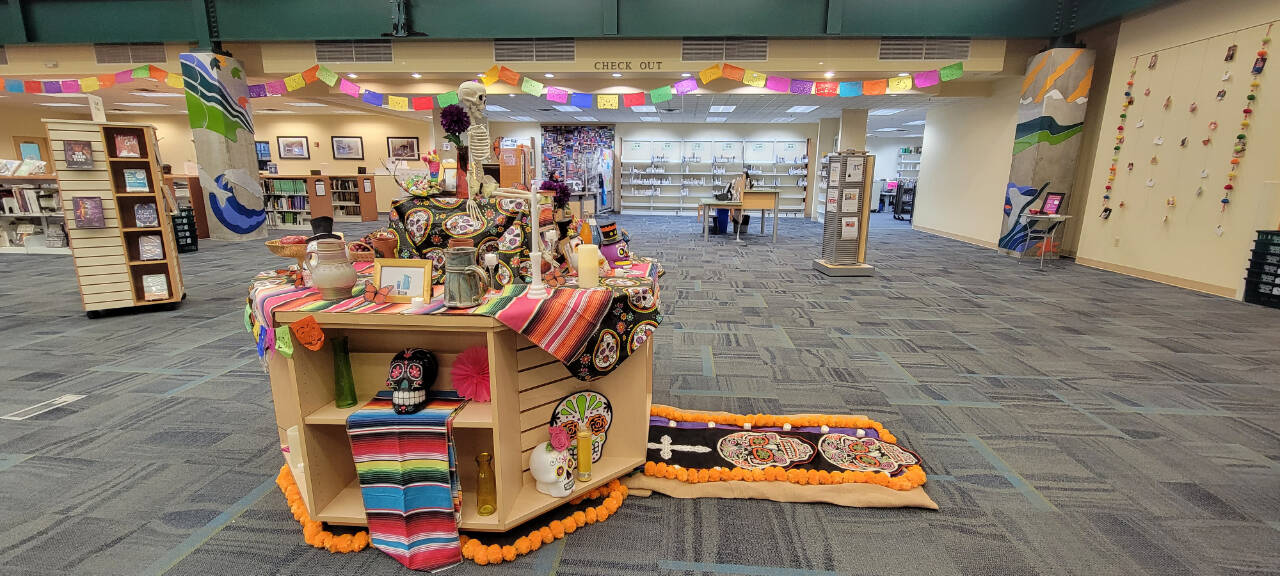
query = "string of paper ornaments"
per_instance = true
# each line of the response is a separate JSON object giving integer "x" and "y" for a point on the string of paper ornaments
{"x": 1115, "y": 150}
{"x": 1242, "y": 138}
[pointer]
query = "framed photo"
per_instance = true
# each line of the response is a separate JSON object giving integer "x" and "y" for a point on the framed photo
{"x": 88, "y": 212}
{"x": 402, "y": 148}
{"x": 403, "y": 279}
{"x": 348, "y": 148}
{"x": 293, "y": 147}
{"x": 263, "y": 148}
{"x": 77, "y": 154}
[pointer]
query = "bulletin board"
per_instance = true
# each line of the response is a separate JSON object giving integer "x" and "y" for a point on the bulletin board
{"x": 570, "y": 150}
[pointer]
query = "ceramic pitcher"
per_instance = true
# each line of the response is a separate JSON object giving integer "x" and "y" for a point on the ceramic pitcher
{"x": 465, "y": 283}
{"x": 331, "y": 270}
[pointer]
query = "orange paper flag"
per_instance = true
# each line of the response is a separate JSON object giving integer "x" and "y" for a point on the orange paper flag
{"x": 733, "y": 72}
{"x": 509, "y": 76}
{"x": 310, "y": 74}
{"x": 874, "y": 87}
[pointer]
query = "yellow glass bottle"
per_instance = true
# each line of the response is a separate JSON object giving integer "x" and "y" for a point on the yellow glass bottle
{"x": 584, "y": 455}
{"x": 486, "y": 486}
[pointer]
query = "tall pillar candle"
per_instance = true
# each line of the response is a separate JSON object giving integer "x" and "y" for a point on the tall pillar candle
{"x": 588, "y": 266}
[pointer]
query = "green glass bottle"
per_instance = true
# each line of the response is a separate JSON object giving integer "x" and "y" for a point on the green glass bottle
{"x": 486, "y": 486}
{"x": 344, "y": 384}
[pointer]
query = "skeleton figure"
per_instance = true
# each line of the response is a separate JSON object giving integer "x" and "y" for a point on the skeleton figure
{"x": 472, "y": 97}
{"x": 412, "y": 371}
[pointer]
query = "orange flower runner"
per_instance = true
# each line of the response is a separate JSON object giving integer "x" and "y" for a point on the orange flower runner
{"x": 614, "y": 493}
{"x": 313, "y": 530}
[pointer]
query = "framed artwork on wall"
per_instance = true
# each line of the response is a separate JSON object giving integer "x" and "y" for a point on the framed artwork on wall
{"x": 293, "y": 147}
{"x": 402, "y": 148}
{"x": 348, "y": 148}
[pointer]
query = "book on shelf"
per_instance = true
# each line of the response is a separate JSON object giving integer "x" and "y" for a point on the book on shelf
{"x": 155, "y": 287}
{"x": 30, "y": 166}
{"x": 145, "y": 215}
{"x": 77, "y": 154}
{"x": 10, "y": 205}
{"x": 88, "y": 212}
{"x": 8, "y": 166}
{"x": 150, "y": 247}
{"x": 127, "y": 146}
{"x": 135, "y": 180}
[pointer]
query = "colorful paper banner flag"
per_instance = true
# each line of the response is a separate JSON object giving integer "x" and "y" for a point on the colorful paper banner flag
{"x": 875, "y": 87}
{"x": 899, "y": 84}
{"x": 685, "y": 86}
{"x": 327, "y": 76}
{"x": 311, "y": 74}
{"x": 174, "y": 80}
{"x": 141, "y": 72}
{"x": 633, "y": 99}
{"x": 257, "y": 90}
{"x": 277, "y": 88}
{"x": 530, "y": 86}
{"x": 777, "y": 83}
{"x": 12, "y": 85}
{"x": 926, "y": 79}
{"x": 398, "y": 103}
{"x": 371, "y": 97}
{"x": 753, "y": 78}
{"x": 159, "y": 74}
{"x": 949, "y": 73}
{"x": 124, "y": 76}
{"x": 106, "y": 80}
{"x": 734, "y": 73}
{"x": 828, "y": 89}
{"x": 32, "y": 87}
{"x": 447, "y": 99}
{"x": 557, "y": 95}
{"x": 491, "y": 75}
{"x": 53, "y": 87}
{"x": 89, "y": 84}
{"x": 581, "y": 100}
{"x": 294, "y": 82}
{"x": 802, "y": 87}
{"x": 71, "y": 86}
{"x": 509, "y": 76}
{"x": 661, "y": 94}
{"x": 607, "y": 101}
{"x": 710, "y": 73}
{"x": 850, "y": 89}
{"x": 349, "y": 88}
{"x": 423, "y": 103}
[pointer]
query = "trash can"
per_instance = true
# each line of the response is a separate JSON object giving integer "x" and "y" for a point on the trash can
{"x": 721, "y": 221}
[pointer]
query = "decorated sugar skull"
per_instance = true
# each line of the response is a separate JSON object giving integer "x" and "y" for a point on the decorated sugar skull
{"x": 411, "y": 373}
{"x": 589, "y": 411}
{"x": 865, "y": 454}
{"x": 612, "y": 247}
{"x": 753, "y": 450}
{"x": 552, "y": 470}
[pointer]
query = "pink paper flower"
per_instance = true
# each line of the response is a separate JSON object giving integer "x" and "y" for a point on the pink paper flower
{"x": 559, "y": 438}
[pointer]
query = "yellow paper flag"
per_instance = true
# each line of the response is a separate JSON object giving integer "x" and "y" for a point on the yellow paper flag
{"x": 753, "y": 78}
{"x": 294, "y": 82}
{"x": 174, "y": 80}
{"x": 90, "y": 84}
{"x": 710, "y": 73}
{"x": 491, "y": 75}
{"x": 607, "y": 101}
{"x": 398, "y": 103}
{"x": 899, "y": 84}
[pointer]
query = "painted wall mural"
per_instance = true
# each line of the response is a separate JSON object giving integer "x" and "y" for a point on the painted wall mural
{"x": 222, "y": 130}
{"x": 1051, "y": 107}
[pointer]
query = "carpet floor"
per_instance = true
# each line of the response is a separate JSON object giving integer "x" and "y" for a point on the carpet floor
{"x": 1072, "y": 421}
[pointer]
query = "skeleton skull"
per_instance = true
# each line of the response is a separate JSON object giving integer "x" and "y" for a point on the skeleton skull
{"x": 552, "y": 470}
{"x": 754, "y": 450}
{"x": 412, "y": 371}
{"x": 472, "y": 95}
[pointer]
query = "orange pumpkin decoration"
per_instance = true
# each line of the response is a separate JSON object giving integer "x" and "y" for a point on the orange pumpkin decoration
{"x": 308, "y": 333}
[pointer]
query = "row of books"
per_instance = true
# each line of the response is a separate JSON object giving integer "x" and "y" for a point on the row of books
{"x": 281, "y": 186}
{"x": 288, "y": 203}
{"x": 25, "y": 167}
{"x": 29, "y": 200}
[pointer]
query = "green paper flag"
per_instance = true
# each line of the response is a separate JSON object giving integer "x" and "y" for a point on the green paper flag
{"x": 660, "y": 94}
{"x": 284, "y": 341}
{"x": 142, "y": 72}
{"x": 448, "y": 98}
{"x": 948, "y": 73}
{"x": 531, "y": 86}
{"x": 248, "y": 319}
{"x": 327, "y": 76}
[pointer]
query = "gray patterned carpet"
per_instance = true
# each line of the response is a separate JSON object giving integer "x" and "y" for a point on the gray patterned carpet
{"x": 1072, "y": 421}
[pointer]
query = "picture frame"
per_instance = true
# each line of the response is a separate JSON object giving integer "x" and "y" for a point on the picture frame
{"x": 402, "y": 147}
{"x": 408, "y": 278}
{"x": 347, "y": 147}
{"x": 293, "y": 147}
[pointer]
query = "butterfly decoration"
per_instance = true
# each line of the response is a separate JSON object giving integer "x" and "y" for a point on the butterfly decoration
{"x": 374, "y": 295}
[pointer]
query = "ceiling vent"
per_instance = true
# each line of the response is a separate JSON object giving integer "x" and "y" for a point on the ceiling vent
{"x": 353, "y": 51}
{"x": 136, "y": 53}
{"x": 535, "y": 50}
{"x": 720, "y": 49}
{"x": 921, "y": 48}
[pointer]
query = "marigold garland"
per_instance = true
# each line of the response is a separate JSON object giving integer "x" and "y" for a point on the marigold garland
{"x": 313, "y": 531}
{"x": 913, "y": 477}
{"x": 613, "y": 493}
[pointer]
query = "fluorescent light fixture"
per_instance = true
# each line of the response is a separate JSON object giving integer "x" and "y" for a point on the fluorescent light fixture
{"x": 62, "y": 95}
{"x": 585, "y": 118}
{"x": 904, "y": 74}
{"x": 308, "y": 104}
{"x": 781, "y": 119}
{"x": 722, "y": 109}
{"x": 273, "y": 111}
{"x": 801, "y": 109}
{"x": 828, "y": 74}
{"x": 62, "y": 104}
{"x": 885, "y": 112}
{"x": 495, "y": 108}
{"x": 650, "y": 119}
{"x": 716, "y": 119}
{"x": 158, "y": 94}
{"x": 567, "y": 108}
{"x": 915, "y": 123}
{"x": 144, "y": 104}
{"x": 645, "y": 108}
{"x": 522, "y": 118}
{"x": 415, "y": 75}
{"x": 617, "y": 74}
{"x": 686, "y": 75}
{"x": 888, "y": 129}
{"x": 548, "y": 75}
{"x": 349, "y": 111}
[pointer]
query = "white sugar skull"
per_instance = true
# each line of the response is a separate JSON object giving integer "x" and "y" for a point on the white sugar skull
{"x": 589, "y": 411}
{"x": 472, "y": 95}
{"x": 754, "y": 450}
{"x": 552, "y": 470}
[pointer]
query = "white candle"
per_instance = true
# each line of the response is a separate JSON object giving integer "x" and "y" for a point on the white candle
{"x": 588, "y": 266}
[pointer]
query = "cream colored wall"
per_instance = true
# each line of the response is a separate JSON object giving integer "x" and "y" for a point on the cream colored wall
{"x": 1181, "y": 245}
{"x": 964, "y": 167}
{"x": 886, "y": 153}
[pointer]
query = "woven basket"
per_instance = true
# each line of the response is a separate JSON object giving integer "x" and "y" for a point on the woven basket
{"x": 295, "y": 251}
{"x": 365, "y": 255}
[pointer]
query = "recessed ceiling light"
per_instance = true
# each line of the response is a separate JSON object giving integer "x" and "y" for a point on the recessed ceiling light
{"x": 415, "y": 75}
{"x": 480, "y": 75}
{"x": 904, "y": 74}
{"x": 686, "y": 75}
{"x": 585, "y": 118}
{"x": 522, "y": 118}
{"x": 567, "y": 108}
{"x": 801, "y": 109}
{"x": 820, "y": 63}
{"x": 617, "y": 74}
{"x": 144, "y": 104}
{"x": 915, "y": 123}
{"x": 352, "y": 75}
{"x": 714, "y": 119}
{"x": 645, "y": 108}
{"x": 829, "y": 75}
{"x": 62, "y": 104}
{"x": 723, "y": 109}
{"x": 650, "y": 119}
{"x": 782, "y": 119}
{"x": 158, "y": 94}
{"x": 495, "y": 108}
{"x": 889, "y": 130}
{"x": 885, "y": 112}
{"x": 548, "y": 75}
{"x": 307, "y": 104}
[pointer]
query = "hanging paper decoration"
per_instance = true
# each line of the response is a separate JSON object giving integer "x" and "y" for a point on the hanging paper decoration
{"x": 327, "y": 76}
{"x": 753, "y": 78}
{"x": 174, "y": 81}
{"x": 734, "y": 73}
{"x": 13, "y": 86}
{"x": 952, "y": 72}
{"x": 86, "y": 84}
{"x": 850, "y": 89}
{"x": 32, "y": 87}
{"x": 53, "y": 87}
{"x": 294, "y": 82}
{"x": 276, "y": 88}
{"x": 661, "y": 94}
{"x": 802, "y": 87}
{"x": 1242, "y": 138}
{"x": 875, "y": 87}
{"x": 685, "y": 86}
{"x": 348, "y": 88}
{"x": 311, "y": 74}
{"x": 398, "y": 103}
{"x": 531, "y": 86}
{"x": 607, "y": 101}
{"x": 450, "y": 98}
{"x": 777, "y": 84}
{"x": 142, "y": 72}
{"x": 509, "y": 76}
{"x": 124, "y": 76}
{"x": 709, "y": 73}
{"x": 422, "y": 103}
{"x": 899, "y": 84}
{"x": 633, "y": 99}
{"x": 371, "y": 97}
{"x": 557, "y": 95}
{"x": 581, "y": 100}
{"x": 257, "y": 90}
{"x": 491, "y": 75}
{"x": 1115, "y": 154}
{"x": 71, "y": 86}
{"x": 828, "y": 89}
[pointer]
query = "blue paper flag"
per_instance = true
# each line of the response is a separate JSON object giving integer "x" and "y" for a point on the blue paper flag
{"x": 371, "y": 97}
{"x": 13, "y": 85}
{"x": 262, "y": 341}
{"x": 583, "y": 101}
{"x": 850, "y": 89}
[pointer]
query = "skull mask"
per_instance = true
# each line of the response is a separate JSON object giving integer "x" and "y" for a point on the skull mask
{"x": 754, "y": 450}
{"x": 412, "y": 371}
{"x": 472, "y": 96}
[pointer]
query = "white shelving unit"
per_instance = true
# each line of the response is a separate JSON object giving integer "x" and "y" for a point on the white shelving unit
{"x": 28, "y": 227}
{"x": 672, "y": 177}
{"x": 908, "y": 163}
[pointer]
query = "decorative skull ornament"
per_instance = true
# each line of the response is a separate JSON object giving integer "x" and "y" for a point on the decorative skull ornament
{"x": 585, "y": 410}
{"x": 412, "y": 371}
{"x": 552, "y": 470}
{"x": 753, "y": 450}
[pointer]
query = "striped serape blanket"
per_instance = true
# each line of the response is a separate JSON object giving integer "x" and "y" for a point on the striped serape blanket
{"x": 406, "y": 467}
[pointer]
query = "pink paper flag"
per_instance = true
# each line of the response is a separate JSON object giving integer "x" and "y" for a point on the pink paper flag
{"x": 686, "y": 86}
{"x": 927, "y": 78}
{"x": 349, "y": 88}
{"x": 70, "y": 86}
{"x": 276, "y": 88}
{"x": 777, "y": 84}
{"x": 124, "y": 76}
{"x": 557, "y": 94}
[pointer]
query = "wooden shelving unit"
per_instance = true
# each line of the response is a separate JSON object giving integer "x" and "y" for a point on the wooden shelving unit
{"x": 186, "y": 189}
{"x": 292, "y": 201}
{"x": 43, "y": 217}
{"x": 108, "y": 264}
{"x": 526, "y": 384}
